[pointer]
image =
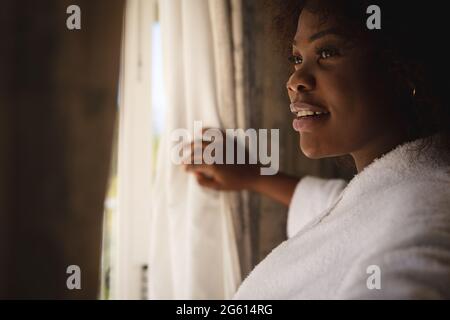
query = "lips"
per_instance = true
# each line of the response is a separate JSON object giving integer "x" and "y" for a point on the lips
{"x": 308, "y": 116}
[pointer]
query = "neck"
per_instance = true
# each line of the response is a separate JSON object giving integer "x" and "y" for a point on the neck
{"x": 376, "y": 148}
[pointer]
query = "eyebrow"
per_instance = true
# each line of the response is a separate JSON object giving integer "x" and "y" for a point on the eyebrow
{"x": 321, "y": 34}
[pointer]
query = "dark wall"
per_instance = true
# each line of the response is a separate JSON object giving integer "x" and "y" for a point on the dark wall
{"x": 58, "y": 100}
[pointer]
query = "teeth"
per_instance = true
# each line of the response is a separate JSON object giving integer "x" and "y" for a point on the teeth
{"x": 305, "y": 113}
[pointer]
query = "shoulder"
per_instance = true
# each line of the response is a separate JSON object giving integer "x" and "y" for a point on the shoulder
{"x": 319, "y": 189}
{"x": 420, "y": 196}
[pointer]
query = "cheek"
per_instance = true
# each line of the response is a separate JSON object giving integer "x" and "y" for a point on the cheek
{"x": 355, "y": 114}
{"x": 356, "y": 91}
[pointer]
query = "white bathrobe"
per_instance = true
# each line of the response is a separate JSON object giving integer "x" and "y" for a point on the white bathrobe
{"x": 385, "y": 235}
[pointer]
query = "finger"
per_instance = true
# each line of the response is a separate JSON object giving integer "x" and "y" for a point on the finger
{"x": 203, "y": 142}
{"x": 215, "y": 135}
{"x": 196, "y": 156}
{"x": 208, "y": 183}
{"x": 198, "y": 174}
{"x": 204, "y": 171}
{"x": 192, "y": 147}
{"x": 206, "y": 129}
{"x": 203, "y": 174}
{"x": 192, "y": 159}
{"x": 200, "y": 168}
{"x": 195, "y": 143}
{"x": 210, "y": 129}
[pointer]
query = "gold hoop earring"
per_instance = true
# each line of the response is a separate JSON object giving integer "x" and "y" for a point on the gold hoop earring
{"x": 414, "y": 92}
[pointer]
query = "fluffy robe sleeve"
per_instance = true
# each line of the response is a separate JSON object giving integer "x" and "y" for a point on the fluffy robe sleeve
{"x": 311, "y": 197}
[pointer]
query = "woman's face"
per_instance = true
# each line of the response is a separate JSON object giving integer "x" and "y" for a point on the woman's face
{"x": 340, "y": 79}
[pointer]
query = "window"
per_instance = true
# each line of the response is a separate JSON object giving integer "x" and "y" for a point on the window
{"x": 139, "y": 128}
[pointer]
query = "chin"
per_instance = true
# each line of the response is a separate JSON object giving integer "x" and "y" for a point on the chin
{"x": 311, "y": 153}
{"x": 312, "y": 149}
{"x": 313, "y": 156}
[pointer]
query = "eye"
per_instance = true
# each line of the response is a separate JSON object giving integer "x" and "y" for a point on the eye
{"x": 325, "y": 53}
{"x": 295, "y": 59}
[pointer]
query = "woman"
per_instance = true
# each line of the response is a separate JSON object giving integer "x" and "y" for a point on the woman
{"x": 381, "y": 97}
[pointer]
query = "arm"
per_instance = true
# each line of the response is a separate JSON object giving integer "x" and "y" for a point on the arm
{"x": 279, "y": 187}
{"x": 238, "y": 177}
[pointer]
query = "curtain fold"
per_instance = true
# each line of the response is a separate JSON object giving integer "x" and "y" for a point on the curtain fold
{"x": 233, "y": 92}
{"x": 135, "y": 153}
{"x": 194, "y": 252}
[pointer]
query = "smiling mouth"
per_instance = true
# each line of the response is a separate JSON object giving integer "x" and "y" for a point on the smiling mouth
{"x": 308, "y": 117}
{"x": 306, "y": 113}
{"x": 304, "y": 109}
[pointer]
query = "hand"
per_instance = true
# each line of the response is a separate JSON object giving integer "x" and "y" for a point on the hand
{"x": 224, "y": 177}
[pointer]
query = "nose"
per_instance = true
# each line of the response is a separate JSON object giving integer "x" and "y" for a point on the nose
{"x": 300, "y": 81}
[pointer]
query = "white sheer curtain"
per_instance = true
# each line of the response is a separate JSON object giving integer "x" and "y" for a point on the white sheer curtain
{"x": 134, "y": 176}
{"x": 193, "y": 250}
